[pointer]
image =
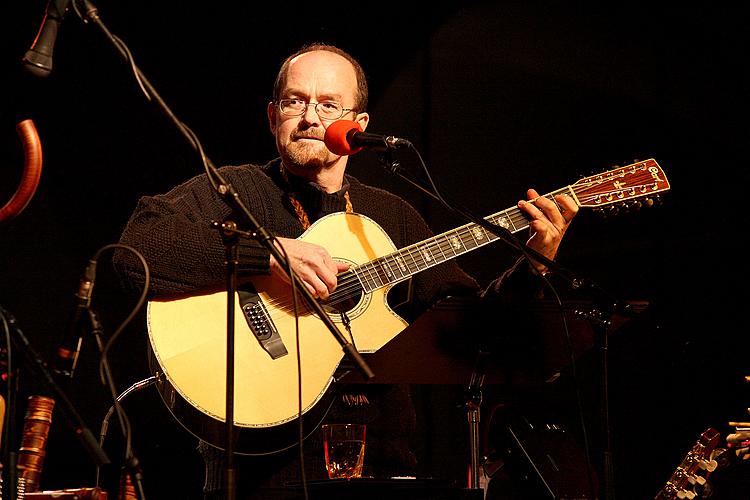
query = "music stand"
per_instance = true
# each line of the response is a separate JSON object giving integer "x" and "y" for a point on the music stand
{"x": 446, "y": 345}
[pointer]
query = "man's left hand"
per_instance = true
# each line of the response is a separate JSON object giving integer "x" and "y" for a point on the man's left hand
{"x": 548, "y": 222}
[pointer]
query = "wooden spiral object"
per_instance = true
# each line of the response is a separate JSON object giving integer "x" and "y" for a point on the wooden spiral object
{"x": 34, "y": 442}
{"x": 32, "y": 171}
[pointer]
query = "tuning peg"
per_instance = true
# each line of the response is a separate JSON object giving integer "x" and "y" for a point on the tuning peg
{"x": 708, "y": 465}
{"x": 649, "y": 202}
{"x": 696, "y": 479}
{"x": 682, "y": 494}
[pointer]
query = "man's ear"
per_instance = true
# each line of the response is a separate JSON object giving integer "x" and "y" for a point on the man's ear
{"x": 363, "y": 119}
{"x": 271, "y": 111}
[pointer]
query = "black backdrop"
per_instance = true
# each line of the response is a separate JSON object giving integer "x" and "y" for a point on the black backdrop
{"x": 497, "y": 97}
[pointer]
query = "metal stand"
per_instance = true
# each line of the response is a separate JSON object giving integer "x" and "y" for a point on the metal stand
{"x": 70, "y": 413}
{"x": 600, "y": 324}
{"x": 473, "y": 414}
{"x": 230, "y": 238}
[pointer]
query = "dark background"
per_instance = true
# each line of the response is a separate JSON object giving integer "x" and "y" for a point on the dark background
{"x": 497, "y": 97}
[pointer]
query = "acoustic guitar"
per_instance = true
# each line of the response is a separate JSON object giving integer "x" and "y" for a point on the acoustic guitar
{"x": 188, "y": 335}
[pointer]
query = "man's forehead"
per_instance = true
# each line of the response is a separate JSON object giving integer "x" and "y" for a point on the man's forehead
{"x": 321, "y": 66}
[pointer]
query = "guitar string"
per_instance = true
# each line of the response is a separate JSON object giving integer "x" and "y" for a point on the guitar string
{"x": 350, "y": 286}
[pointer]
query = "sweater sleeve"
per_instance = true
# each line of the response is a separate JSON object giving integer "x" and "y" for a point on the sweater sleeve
{"x": 184, "y": 253}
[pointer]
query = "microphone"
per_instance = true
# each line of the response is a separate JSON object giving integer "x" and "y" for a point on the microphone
{"x": 38, "y": 59}
{"x": 70, "y": 344}
{"x": 345, "y": 137}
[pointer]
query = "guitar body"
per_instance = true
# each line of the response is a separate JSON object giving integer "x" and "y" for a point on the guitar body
{"x": 188, "y": 335}
{"x": 188, "y": 342}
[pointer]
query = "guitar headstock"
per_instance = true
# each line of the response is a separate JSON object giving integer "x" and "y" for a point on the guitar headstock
{"x": 637, "y": 184}
{"x": 686, "y": 477}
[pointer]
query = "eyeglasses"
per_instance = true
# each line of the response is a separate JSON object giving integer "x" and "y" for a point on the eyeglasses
{"x": 327, "y": 110}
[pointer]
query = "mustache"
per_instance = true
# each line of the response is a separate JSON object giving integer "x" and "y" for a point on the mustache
{"x": 306, "y": 135}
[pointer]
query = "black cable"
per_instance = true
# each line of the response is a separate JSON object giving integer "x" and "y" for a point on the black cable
{"x": 9, "y": 417}
{"x": 106, "y": 373}
{"x": 301, "y": 437}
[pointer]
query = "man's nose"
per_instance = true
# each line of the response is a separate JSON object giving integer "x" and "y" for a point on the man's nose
{"x": 310, "y": 115}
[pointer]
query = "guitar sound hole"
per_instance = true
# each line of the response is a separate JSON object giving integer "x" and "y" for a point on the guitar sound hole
{"x": 346, "y": 296}
{"x": 341, "y": 305}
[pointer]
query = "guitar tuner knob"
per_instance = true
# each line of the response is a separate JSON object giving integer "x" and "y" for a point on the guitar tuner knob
{"x": 696, "y": 479}
{"x": 709, "y": 465}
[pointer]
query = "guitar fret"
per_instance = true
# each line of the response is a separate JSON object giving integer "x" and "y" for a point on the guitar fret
{"x": 502, "y": 221}
{"x": 401, "y": 265}
{"x": 478, "y": 234}
{"x": 364, "y": 275}
{"x": 439, "y": 247}
{"x": 373, "y": 275}
{"x": 519, "y": 220}
{"x": 413, "y": 267}
{"x": 456, "y": 243}
{"x": 551, "y": 197}
{"x": 446, "y": 248}
{"x": 391, "y": 272}
{"x": 382, "y": 272}
{"x": 411, "y": 253}
{"x": 355, "y": 271}
{"x": 426, "y": 254}
{"x": 513, "y": 227}
{"x": 467, "y": 238}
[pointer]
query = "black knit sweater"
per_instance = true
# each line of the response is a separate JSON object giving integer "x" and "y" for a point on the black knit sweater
{"x": 184, "y": 253}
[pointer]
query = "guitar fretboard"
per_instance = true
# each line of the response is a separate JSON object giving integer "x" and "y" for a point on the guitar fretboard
{"x": 413, "y": 259}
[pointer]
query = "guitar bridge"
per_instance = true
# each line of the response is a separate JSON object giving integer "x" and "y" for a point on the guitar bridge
{"x": 261, "y": 325}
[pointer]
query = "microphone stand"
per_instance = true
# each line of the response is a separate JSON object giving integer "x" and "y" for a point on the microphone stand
{"x": 230, "y": 196}
{"x": 71, "y": 414}
{"x": 575, "y": 282}
{"x": 231, "y": 239}
{"x": 9, "y": 467}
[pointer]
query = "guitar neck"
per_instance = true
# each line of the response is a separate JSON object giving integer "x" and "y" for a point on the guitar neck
{"x": 418, "y": 257}
{"x": 637, "y": 183}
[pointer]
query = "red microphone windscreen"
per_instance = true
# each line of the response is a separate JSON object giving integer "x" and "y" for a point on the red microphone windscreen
{"x": 335, "y": 137}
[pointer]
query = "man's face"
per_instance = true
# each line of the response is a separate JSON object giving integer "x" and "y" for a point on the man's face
{"x": 318, "y": 76}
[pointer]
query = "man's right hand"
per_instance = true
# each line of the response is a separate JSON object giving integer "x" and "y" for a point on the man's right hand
{"x": 313, "y": 265}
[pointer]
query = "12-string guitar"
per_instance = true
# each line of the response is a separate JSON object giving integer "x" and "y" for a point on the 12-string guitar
{"x": 687, "y": 480}
{"x": 188, "y": 335}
